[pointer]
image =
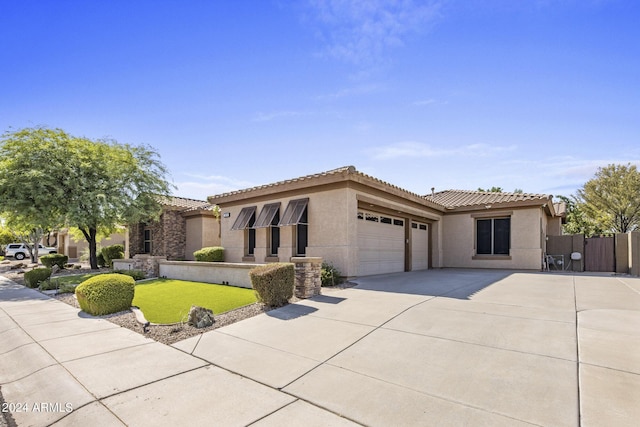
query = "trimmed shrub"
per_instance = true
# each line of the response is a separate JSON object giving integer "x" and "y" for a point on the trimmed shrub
{"x": 330, "y": 275}
{"x": 136, "y": 274}
{"x": 109, "y": 253}
{"x": 210, "y": 254}
{"x": 33, "y": 278}
{"x": 54, "y": 259}
{"x": 106, "y": 294}
{"x": 100, "y": 260}
{"x": 273, "y": 283}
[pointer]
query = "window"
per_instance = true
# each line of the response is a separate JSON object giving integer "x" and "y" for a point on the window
{"x": 250, "y": 235}
{"x": 493, "y": 236}
{"x": 147, "y": 241}
{"x": 245, "y": 221}
{"x": 302, "y": 234}
{"x": 274, "y": 235}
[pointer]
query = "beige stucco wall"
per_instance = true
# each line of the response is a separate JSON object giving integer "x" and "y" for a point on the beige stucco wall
{"x": 458, "y": 244}
{"x": 332, "y": 231}
{"x": 328, "y": 231}
{"x": 202, "y": 232}
{"x": 68, "y": 245}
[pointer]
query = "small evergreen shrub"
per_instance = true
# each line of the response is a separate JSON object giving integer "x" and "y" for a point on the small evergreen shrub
{"x": 33, "y": 278}
{"x": 54, "y": 259}
{"x": 273, "y": 283}
{"x": 67, "y": 288}
{"x": 106, "y": 294}
{"x": 48, "y": 285}
{"x": 330, "y": 275}
{"x": 136, "y": 274}
{"x": 109, "y": 253}
{"x": 100, "y": 260}
{"x": 210, "y": 254}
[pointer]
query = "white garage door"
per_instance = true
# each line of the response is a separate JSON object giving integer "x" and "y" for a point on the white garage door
{"x": 419, "y": 246}
{"x": 380, "y": 244}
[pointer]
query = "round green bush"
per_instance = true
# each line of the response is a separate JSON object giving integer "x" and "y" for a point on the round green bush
{"x": 106, "y": 294}
{"x": 273, "y": 283}
{"x": 210, "y": 254}
{"x": 54, "y": 259}
{"x": 33, "y": 278}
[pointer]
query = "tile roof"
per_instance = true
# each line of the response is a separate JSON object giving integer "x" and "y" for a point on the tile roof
{"x": 345, "y": 172}
{"x": 452, "y": 199}
{"x": 182, "y": 202}
{"x": 337, "y": 171}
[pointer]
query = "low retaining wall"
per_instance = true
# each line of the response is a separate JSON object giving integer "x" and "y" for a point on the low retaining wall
{"x": 307, "y": 271}
{"x": 235, "y": 274}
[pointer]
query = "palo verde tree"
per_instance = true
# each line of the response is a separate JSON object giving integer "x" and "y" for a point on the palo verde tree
{"x": 26, "y": 189}
{"x": 95, "y": 185}
{"x": 611, "y": 199}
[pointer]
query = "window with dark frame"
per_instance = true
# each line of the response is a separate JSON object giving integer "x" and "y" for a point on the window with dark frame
{"x": 274, "y": 235}
{"x": 302, "y": 234}
{"x": 147, "y": 241}
{"x": 251, "y": 235}
{"x": 493, "y": 236}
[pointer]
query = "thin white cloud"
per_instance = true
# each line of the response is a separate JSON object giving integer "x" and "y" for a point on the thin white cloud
{"x": 424, "y": 102}
{"x": 361, "y": 32}
{"x": 353, "y": 91}
{"x": 274, "y": 115}
{"x": 201, "y": 186}
{"x": 421, "y": 150}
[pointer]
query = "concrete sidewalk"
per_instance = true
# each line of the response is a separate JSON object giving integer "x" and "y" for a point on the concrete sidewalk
{"x": 441, "y": 347}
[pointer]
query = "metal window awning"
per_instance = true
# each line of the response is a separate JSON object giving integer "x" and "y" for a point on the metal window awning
{"x": 267, "y": 214}
{"x": 243, "y": 218}
{"x": 293, "y": 213}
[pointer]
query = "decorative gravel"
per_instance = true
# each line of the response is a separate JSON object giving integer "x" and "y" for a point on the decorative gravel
{"x": 169, "y": 334}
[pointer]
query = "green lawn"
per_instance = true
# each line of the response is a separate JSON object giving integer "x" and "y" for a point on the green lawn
{"x": 169, "y": 301}
{"x": 73, "y": 279}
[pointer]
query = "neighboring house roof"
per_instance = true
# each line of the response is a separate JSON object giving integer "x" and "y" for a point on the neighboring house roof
{"x": 465, "y": 199}
{"x": 185, "y": 203}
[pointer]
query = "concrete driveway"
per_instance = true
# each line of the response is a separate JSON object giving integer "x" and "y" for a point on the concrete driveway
{"x": 440, "y": 347}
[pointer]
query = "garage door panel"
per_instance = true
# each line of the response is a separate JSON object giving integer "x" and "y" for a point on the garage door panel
{"x": 419, "y": 246}
{"x": 380, "y": 246}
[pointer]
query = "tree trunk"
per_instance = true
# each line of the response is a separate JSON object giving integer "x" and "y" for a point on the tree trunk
{"x": 90, "y": 235}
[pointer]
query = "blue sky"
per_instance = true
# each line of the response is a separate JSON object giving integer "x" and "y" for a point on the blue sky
{"x": 448, "y": 94}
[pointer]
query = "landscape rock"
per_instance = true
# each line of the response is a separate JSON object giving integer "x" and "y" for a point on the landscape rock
{"x": 200, "y": 317}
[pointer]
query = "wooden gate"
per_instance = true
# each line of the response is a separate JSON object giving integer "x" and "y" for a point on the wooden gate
{"x": 599, "y": 254}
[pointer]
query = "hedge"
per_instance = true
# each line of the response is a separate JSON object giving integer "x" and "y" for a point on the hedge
{"x": 33, "y": 278}
{"x": 109, "y": 253}
{"x": 210, "y": 254}
{"x": 54, "y": 259}
{"x": 106, "y": 294}
{"x": 273, "y": 283}
{"x": 136, "y": 274}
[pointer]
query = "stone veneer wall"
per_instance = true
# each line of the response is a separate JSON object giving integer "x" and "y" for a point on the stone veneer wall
{"x": 168, "y": 236}
{"x": 308, "y": 282}
{"x": 174, "y": 235}
{"x": 136, "y": 239}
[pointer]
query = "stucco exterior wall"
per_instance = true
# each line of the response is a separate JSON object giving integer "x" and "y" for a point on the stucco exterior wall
{"x": 201, "y": 232}
{"x": 328, "y": 230}
{"x": 458, "y": 242}
{"x": 74, "y": 248}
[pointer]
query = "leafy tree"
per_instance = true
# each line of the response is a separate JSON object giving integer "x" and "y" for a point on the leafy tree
{"x": 577, "y": 220}
{"x": 491, "y": 190}
{"x": 612, "y": 198}
{"x": 26, "y": 188}
{"x": 92, "y": 185}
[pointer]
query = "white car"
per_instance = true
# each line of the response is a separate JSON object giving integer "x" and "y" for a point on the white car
{"x": 20, "y": 251}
